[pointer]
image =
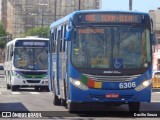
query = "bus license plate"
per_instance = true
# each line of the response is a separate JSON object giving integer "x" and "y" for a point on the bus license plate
{"x": 112, "y": 95}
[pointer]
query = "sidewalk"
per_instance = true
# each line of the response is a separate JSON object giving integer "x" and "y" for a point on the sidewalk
{"x": 1, "y": 74}
{"x": 155, "y": 89}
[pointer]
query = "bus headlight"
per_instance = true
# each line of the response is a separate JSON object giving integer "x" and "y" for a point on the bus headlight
{"x": 79, "y": 84}
{"x": 15, "y": 74}
{"x": 143, "y": 85}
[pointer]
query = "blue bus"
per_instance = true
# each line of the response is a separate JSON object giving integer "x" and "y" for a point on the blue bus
{"x": 101, "y": 57}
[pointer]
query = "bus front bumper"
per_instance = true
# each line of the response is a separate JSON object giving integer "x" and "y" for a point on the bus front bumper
{"x": 29, "y": 82}
{"x": 101, "y": 95}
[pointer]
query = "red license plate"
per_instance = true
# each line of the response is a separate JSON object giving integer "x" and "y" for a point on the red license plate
{"x": 112, "y": 95}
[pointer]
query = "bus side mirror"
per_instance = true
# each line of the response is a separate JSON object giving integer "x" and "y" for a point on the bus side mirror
{"x": 68, "y": 34}
{"x": 69, "y": 30}
{"x": 153, "y": 38}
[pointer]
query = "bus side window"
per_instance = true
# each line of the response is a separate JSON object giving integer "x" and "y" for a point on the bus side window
{"x": 63, "y": 37}
{"x": 7, "y": 53}
{"x": 52, "y": 46}
{"x": 59, "y": 40}
{"x": 54, "y": 40}
{"x": 10, "y": 52}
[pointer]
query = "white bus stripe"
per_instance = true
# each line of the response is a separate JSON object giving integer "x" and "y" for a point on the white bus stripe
{"x": 34, "y": 93}
{"x": 16, "y": 93}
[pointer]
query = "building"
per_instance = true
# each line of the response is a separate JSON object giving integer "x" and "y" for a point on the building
{"x": 155, "y": 15}
{"x": 20, "y": 15}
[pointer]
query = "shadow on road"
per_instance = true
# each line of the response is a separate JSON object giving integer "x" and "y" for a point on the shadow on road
{"x": 88, "y": 110}
{"x": 12, "y": 107}
{"x": 84, "y": 110}
{"x": 118, "y": 111}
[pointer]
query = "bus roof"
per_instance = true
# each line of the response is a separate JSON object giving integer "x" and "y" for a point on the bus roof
{"x": 29, "y": 38}
{"x": 69, "y": 16}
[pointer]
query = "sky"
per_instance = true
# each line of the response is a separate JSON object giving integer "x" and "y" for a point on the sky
{"x": 137, "y": 5}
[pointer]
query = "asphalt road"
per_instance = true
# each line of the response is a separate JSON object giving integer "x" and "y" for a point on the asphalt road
{"x": 28, "y": 100}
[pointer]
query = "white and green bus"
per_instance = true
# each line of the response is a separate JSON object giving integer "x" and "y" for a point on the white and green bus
{"x": 26, "y": 63}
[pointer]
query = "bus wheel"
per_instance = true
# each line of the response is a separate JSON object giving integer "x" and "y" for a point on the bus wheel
{"x": 14, "y": 87}
{"x": 36, "y": 88}
{"x": 45, "y": 88}
{"x": 72, "y": 107}
{"x": 56, "y": 100}
{"x": 8, "y": 86}
{"x": 134, "y": 106}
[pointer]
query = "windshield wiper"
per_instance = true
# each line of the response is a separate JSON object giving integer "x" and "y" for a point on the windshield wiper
{"x": 131, "y": 27}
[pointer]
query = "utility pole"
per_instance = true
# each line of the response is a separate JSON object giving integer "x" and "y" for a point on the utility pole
{"x": 130, "y": 4}
{"x": 79, "y": 5}
{"x": 42, "y": 4}
{"x": 55, "y": 10}
{"x": 32, "y": 14}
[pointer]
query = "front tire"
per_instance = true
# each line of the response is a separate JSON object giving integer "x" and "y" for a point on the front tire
{"x": 8, "y": 86}
{"x": 14, "y": 87}
{"x": 6, "y": 80}
{"x": 56, "y": 100}
{"x": 36, "y": 88}
{"x": 72, "y": 107}
{"x": 134, "y": 107}
{"x": 44, "y": 88}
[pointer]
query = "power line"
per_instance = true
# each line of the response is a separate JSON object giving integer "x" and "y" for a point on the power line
{"x": 130, "y": 4}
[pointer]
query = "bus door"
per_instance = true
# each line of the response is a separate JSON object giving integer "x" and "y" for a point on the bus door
{"x": 54, "y": 62}
{"x": 50, "y": 66}
{"x": 62, "y": 64}
{"x": 58, "y": 73}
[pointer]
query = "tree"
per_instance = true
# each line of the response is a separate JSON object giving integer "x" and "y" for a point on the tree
{"x": 3, "y": 36}
{"x": 38, "y": 31}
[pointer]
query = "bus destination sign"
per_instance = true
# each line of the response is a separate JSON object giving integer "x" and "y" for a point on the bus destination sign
{"x": 31, "y": 43}
{"x": 110, "y": 18}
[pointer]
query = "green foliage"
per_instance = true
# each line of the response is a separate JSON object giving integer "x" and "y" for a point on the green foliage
{"x": 38, "y": 31}
{"x": 3, "y": 34}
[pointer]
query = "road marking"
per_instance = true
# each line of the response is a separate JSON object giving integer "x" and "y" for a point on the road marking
{"x": 16, "y": 93}
{"x": 156, "y": 92}
{"x": 154, "y": 101}
{"x": 34, "y": 93}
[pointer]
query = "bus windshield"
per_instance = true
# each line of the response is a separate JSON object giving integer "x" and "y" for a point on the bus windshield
{"x": 31, "y": 58}
{"x": 111, "y": 47}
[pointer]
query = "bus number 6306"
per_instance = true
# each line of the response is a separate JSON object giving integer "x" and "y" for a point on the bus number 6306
{"x": 127, "y": 85}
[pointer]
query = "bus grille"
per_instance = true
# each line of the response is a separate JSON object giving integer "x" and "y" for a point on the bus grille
{"x": 33, "y": 73}
{"x": 33, "y": 81}
{"x": 28, "y": 74}
{"x": 113, "y": 78}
